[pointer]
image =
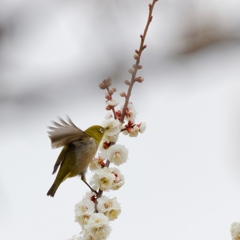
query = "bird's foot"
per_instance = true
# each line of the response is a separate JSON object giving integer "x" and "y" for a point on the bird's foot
{"x": 90, "y": 187}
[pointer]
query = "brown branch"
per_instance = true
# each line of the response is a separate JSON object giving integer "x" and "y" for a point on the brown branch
{"x": 107, "y": 82}
{"x": 139, "y": 53}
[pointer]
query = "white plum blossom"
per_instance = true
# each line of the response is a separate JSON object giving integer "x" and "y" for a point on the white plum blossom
{"x": 108, "y": 115}
{"x": 85, "y": 236}
{"x": 131, "y": 113}
{"x": 102, "y": 151}
{"x": 109, "y": 207}
{"x": 110, "y": 139}
{"x": 142, "y": 126}
{"x": 112, "y": 103}
{"x": 83, "y": 211}
{"x": 235, "y": 231}
{"x": 117, "y": 154}
{"x": 98, "y": 226}
{"x": 89, "y": 195}
{"x": 112, "y": 125}
{"x": 103, "y": 179}
{"x": 125, "y": 132}
{"x": 119, "y": 179}
{"x": 134, "y": 131}
{"x": 107, "y": 179}
{"x": 96, "y": 163}
{"x": 95, "y": 226}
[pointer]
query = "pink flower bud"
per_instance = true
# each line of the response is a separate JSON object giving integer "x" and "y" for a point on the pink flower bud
{"x": 107, "y": 82}
{"x": 107, "y": 96}
{"x": 122, "y": 94}
{"x": 118, "y": 114}
{"x": 102, "y": 85}
{"x": 139, "y": 79}
{"x": 108, "y": 108}
{"x": 127, "y": 82}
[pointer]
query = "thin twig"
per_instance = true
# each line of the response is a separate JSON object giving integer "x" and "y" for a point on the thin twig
{"x": 107, "y": 82}
{"x": 139, "y": 53}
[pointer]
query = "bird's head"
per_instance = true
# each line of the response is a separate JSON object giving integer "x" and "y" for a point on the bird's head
{"x": 96, "y": 132}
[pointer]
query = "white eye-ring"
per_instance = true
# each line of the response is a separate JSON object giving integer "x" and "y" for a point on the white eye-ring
{"x": 101, "y": 130}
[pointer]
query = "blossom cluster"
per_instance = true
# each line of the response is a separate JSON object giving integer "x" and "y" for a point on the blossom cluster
{"x": 94, "y": 215}
{"x": 95, "y": 211}
{"x": 128, "y": 127}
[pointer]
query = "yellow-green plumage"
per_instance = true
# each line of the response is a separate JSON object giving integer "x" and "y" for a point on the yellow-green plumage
{"x": 79, "y": 148}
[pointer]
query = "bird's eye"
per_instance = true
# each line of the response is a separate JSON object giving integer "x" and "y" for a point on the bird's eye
{"x": 101, "y": 130}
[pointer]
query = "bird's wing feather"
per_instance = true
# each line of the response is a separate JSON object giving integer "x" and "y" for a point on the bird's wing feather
{"x": 64, "y": 133}
{"x": 60, "y": 158}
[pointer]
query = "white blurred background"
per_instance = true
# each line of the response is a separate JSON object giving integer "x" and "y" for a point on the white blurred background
{"x": 53, "y": 55}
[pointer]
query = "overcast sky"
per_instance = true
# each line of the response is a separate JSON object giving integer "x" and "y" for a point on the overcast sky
{"x": 182, "y": 178}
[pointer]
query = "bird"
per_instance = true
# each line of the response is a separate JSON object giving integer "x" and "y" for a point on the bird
{"x": 79, "y": 148}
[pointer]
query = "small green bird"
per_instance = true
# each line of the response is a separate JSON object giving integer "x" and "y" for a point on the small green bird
{"x": 79, "y": 148}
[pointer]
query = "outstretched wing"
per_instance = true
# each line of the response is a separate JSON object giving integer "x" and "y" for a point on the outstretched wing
{"x": 64, "y": 133}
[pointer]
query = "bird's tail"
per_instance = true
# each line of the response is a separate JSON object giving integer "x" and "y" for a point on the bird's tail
{"x": 51, "y": 192}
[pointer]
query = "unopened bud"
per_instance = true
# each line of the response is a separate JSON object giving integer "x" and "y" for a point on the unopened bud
{"x": 127, "y": 82}
{"x": 107, "y": 82}
{"x": 136, "y": 56}
{"x": 139, "y": 66}
{"x": 114, "y": 89}
{"x": 139, "y": 79}
{"x": 107, "y": 96}
{"x": 102, "y": 85}
{"x": 122, "y": 94}
{"x": 118, "y": 114}
{"x": 108, "y": 108}
{"x": 112, "y": 103}
{"x": 131, "y": 70}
